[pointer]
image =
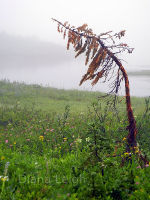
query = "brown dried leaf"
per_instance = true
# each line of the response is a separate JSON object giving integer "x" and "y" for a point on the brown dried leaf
{"x": 83, "y": 79}
{"x": 82, "y": 28}
{"x": 95, "y": 62}
{"x": 65, "y": 23}
{"x": 58, "y": 28}
{"x": 82, "y": 50}
{"x": 78, "y": 46}
{"x": 99, "y": 75}
{"x": 68, "y": 43}
{"x": 87, "y": 55}
{"x": 64, "y": 34}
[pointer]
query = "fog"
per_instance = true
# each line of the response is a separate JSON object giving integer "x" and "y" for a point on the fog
{"x": 30, "y": 60}
{"x": 32, "y": 51}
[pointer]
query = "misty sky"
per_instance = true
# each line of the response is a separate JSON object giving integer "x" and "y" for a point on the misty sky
{"x": 33, "y": 18}
{"x": 31, "y": 49}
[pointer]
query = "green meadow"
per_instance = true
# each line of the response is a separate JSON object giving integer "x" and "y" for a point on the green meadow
{"x": 70, "y": 145}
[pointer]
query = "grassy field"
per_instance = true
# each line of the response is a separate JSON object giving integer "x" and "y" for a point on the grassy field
{"x": 57, "y": 144}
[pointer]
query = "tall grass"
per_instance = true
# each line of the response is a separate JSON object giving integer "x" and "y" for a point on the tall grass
{"x": 68, "y": 145}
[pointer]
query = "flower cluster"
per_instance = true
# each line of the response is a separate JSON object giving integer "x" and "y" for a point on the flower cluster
{"x": 4, "y": 178}
{"x": 41, "y": 138}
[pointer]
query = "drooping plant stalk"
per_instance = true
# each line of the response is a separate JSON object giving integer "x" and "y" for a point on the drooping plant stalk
{"x": 103, "y": 60}
{"x": 132, "y": 123}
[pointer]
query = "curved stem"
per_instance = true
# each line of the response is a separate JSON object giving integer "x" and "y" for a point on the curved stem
{"x": 132, "y": 123}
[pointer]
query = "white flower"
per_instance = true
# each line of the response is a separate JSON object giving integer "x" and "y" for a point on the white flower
{"x": 79, "y": 140}
{"x": 87, "y": 139}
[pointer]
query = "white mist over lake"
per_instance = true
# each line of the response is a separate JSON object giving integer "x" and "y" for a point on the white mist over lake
{"x": 68, "y": 76}
{"x": 31, "y": 60}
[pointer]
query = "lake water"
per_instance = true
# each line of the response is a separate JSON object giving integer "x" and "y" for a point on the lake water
{"x": 68, "y": 75}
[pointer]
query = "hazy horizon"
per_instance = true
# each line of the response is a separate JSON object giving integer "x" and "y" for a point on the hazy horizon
{"x": 30, "y": 60}
{"x": 32, "y": 50}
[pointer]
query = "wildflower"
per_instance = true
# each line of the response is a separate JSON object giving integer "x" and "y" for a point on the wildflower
{"x": 79, "y": 140}
{"x": 6, "y": 141}
{"x": 2, "y": 158}
{"x": 137, "y": 183}
{"x": 41, "y": 137}
{"x": 87, "y": 139}
{"x": 136, "y": 149}
{"x": 147, "y": 165}
{"x": 52, "y": 130}
{"x": 28, "y": 139}
{"x": 124, "y": 139}
{"x": 65, "y": 139}
{"x": 5, "y": 178}
{"x": 138, "y": 167}
{"x": 126, "y": 154}
{"x": 14, "y": 143}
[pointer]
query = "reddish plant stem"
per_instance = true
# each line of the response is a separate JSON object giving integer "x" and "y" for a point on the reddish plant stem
{"x": 132, "y": 123}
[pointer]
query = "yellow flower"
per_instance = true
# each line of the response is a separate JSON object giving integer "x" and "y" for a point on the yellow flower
{"x": 41, "y": 137}
{"x": 4, "y": 179}
{"x": 124, "y": 139}
{"x": 2, "y": 158}
{"x": 65, "y": 139}
{"x": 136, "y": 149}
{"x": 126, "y": 154}
{"x": 14, "y": 143}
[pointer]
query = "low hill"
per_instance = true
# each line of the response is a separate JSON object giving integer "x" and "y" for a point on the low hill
{"x": 30, "y": 52}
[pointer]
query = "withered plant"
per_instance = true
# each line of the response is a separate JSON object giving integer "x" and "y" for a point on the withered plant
{"x": 101, "y": 56}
